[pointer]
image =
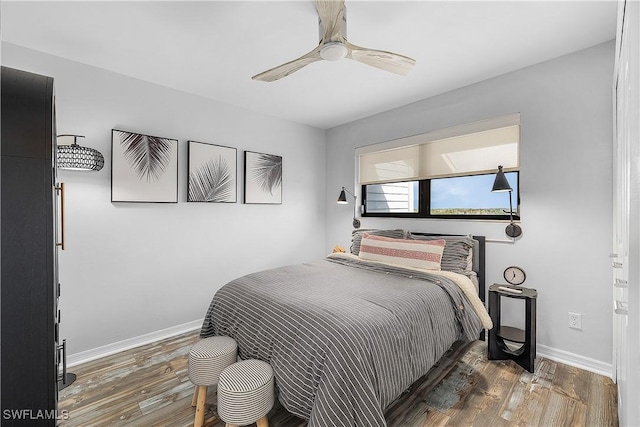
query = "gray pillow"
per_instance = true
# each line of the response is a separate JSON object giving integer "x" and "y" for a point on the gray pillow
{"x": 457, "y": 251}
{"x": 356, "y": 237}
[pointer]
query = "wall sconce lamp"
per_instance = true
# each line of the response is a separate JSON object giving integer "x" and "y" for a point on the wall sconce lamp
{"x": 342, "y": 200}
{"x": 501, "y": 185}
{"x": 72, "y": 156}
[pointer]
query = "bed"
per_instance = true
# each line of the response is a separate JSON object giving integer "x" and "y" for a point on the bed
{"x": 346, "y": 335}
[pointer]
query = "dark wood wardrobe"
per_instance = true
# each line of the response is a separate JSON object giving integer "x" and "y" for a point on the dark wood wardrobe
{"x": 29, "y": 287}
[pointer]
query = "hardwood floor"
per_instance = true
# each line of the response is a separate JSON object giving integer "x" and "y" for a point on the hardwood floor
{"x": 149, "y": 386}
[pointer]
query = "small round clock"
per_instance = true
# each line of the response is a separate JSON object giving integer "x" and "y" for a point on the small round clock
{"x": 514, "y": 275}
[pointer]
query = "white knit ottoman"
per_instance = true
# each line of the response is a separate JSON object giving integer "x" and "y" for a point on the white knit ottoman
{"x": 245, "y": 393}
{"x": 207, "y": 359}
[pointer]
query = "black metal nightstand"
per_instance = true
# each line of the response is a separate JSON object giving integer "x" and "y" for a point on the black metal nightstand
{"x": 498, "y": 349}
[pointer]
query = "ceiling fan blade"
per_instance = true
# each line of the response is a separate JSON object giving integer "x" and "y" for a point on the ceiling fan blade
{"x": 381, "y": 59}
{"x": 331, "y": 13}
{"x": 290, "y": 67}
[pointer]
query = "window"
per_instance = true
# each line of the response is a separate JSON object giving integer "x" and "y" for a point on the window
{"x": 465, "y": 197}
{"x": 443, "y": 174}
{"x": 395, "y": 197}
{"x": 471, "y": 197}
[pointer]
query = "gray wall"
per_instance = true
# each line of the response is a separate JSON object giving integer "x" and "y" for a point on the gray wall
{"x": 565, "y": 185}
{"x": 130, "y": 269}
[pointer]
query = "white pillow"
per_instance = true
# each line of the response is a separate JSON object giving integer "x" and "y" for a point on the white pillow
{"x": 425, "y": 254}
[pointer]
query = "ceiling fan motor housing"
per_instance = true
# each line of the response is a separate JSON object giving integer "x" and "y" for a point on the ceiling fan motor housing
{"x": 333, "y": 51}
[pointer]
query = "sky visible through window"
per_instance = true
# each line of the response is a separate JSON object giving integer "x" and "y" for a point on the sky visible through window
{"x": 472, "y": 192}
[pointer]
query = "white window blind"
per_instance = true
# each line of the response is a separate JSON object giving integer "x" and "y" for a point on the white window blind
{"x": 464, "y": 150}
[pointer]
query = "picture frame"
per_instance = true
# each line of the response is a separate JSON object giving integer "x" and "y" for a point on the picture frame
{"x": 212, "y": 173}
{"x": 262, "y": 178}
{"x": 144, "y": 168}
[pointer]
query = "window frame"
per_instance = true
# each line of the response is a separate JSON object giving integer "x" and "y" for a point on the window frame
{"x": 424, "y": 204}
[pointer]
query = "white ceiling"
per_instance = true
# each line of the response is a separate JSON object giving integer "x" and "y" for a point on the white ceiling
{"x": 212, "y": 48}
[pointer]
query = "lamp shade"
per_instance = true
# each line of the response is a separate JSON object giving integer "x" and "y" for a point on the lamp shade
{"x": 501, "y": 184}
{"x": 342, "y": 198}
{"x": 76, "y": 157}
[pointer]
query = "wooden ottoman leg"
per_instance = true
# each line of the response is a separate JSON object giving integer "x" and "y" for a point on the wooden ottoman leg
{"x": 202, "y": 399}
{"x": 194, "y": 401}
{"x": 263, "y": 422}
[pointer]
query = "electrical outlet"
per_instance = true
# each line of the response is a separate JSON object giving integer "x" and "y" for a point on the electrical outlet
{"x": 575, "y": 321}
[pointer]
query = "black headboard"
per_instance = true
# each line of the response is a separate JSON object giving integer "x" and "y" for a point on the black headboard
{"x": 481, "y": 261}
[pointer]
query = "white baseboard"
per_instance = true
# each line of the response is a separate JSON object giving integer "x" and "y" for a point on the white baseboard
{"x": 575, "y": 360}
{"x": 116, "y": 347}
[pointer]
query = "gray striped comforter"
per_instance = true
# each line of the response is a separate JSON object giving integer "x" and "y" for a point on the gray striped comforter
{"x": 344, "y": 337}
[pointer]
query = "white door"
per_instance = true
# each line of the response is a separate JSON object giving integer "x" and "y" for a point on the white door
{"x": 626, "y": 211}
{"x": 620, "y": 255}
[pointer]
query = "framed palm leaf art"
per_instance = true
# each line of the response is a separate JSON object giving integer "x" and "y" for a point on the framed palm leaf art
{"x": 262, "y": 178}
{"x": 212, "y": 173}
{"x": 144, "y": 168}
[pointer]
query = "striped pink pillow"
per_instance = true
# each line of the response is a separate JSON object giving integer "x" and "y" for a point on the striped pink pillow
{"x": 425, "y": 254}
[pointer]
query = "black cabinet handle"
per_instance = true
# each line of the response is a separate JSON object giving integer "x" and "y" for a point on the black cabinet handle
{"x": 60, "y": 188}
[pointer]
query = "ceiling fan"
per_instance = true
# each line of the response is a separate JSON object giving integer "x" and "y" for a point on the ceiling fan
{"x": 334, "y": 46}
